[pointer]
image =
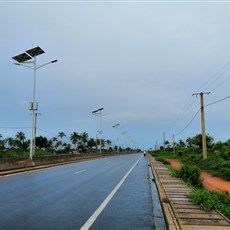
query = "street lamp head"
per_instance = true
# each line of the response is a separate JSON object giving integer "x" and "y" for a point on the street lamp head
{"x": 95, "y": 111}
{"x": 54, "y": 61}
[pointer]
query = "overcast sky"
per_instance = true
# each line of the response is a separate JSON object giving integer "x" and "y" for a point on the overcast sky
{"x": 141, "y": 61}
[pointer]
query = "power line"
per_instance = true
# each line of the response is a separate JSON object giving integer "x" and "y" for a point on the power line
{"x": 15, "y": 127}
{"x": 215, "y": 77}
{"x": 199, "y": 111}
{"x": 220, "y": 83}
{"x": 188, "y": 123}
{"x": 47, "y": 132}
{"x": 186, "y": 109}
{"x": 217, "y": 101}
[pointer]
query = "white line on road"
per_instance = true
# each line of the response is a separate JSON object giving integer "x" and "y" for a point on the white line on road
{"x": 93, "y": 218}
{"x": 80, "y": 171}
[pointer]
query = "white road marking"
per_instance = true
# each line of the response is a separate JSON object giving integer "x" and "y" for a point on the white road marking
{"x": 80, "y": 171}
{"x": 93, "y": 218}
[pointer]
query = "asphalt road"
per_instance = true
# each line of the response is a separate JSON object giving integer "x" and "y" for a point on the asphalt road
{"x": 110, "y": 193}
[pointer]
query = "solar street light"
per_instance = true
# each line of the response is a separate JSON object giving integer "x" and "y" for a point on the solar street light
{"x": 116, "y": 126}
{"x": 99, "y": 111}
{"x": 24, "y": 59}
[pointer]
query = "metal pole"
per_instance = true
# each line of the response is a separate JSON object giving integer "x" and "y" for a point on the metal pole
{"x": 117, "y": 140}
{"x": 100, "y": 131}
{"x": 32, "y": 141}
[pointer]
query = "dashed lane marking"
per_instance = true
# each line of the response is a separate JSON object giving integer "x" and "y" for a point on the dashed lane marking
{"x": 81, "y": 171}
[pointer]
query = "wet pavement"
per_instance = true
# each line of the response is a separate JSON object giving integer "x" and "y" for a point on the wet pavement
{"x": 65, "y": 197}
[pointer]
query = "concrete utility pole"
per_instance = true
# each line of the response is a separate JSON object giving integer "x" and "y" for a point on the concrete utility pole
{"x": 164, "y": 140}
{"x": 204, "y": 145}
{"x": 174, "y": 149}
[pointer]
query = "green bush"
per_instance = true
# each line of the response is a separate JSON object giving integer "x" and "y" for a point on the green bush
{"x": 189, "y": 174}
{"x": 209, "y": 200}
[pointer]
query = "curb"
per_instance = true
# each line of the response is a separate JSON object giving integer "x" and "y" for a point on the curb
{"x": 170, "y": 218}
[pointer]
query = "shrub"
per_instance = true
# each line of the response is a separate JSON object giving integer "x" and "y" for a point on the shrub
{"x": 209, "y": 200}
{"x": 189, "y": 174}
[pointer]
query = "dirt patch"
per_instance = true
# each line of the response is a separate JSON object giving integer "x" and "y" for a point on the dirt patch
{"x": 210, "y": 182}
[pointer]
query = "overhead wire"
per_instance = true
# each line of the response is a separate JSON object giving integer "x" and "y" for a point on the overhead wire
{"x": 188, "y": 124}
{"x": 15, "y": 127}
{"x": 208, "y": 84}
{"x": 53, "y": 134}
{"x": 225, "y": 79}
{"x": 215, "y": 102}
{"x": 215, "y": 77}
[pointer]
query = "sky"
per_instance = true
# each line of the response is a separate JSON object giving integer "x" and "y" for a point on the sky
{"x": 141, "y": 61}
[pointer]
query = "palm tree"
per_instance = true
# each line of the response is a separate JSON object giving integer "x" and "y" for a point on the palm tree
{"x": 61, "y": 134}
{"x": 53, "y": 142}
{"x": 20, "y": 141}
{"x": 11, "y": 142}
{"x": 91, "y": 143}
{"x": 74, "y": 137}
{"x": 2, "y": 143}
{"x": 20, "y": 136}
{"x": 108, "y": 143}
{"x": 57, "y": 145}
{"x": 84, "y": 138}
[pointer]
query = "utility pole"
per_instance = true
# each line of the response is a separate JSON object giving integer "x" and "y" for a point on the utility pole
{"x": 204, "y": 145}
{"x": 174, "y": 150}
{"x": 164, "y": 140}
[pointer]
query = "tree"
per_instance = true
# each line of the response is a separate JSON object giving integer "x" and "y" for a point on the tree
{"x": 108, "y": 143}
{"x": 43, "y": 143}
{"x": 74, "y": 137}
{"x": 11, "y": 142}
{"x": 84, "y": 138}
{"x": 181, "y": 144}
{"x": 91, "y": 143}
{"x": 20, "y": 141}
{"x": 2, "y": 143}
{"x": 21, "y": 137}
{"x": 196, "y": 142}
{"x": 61, "y": 135}
{"x": 83, "y": 142}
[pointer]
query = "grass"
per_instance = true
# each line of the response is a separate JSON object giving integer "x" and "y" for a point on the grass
{"x": 209, "y": 200}
{"x": 190, "y": 172}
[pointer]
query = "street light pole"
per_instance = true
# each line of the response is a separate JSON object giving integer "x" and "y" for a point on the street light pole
{"x": 23, "y": 60}
{"x": 99, "y": 131}
{"x": 124, "y": 140}
{"x": 116, "y": 126}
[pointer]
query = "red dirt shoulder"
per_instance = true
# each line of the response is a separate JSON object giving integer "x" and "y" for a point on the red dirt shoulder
{"x": 210, "y": 182}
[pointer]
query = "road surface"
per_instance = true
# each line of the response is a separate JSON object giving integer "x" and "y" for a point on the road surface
{"x": 110, "y": 193}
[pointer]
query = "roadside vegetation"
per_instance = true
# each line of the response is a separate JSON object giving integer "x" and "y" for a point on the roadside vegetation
{"x": 189, "y": 153}
{"x": 19, "y": 145}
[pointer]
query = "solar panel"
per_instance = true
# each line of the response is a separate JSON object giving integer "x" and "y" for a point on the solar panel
{"x": 35, "y": 51}
{"x": 22, "y": 57}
